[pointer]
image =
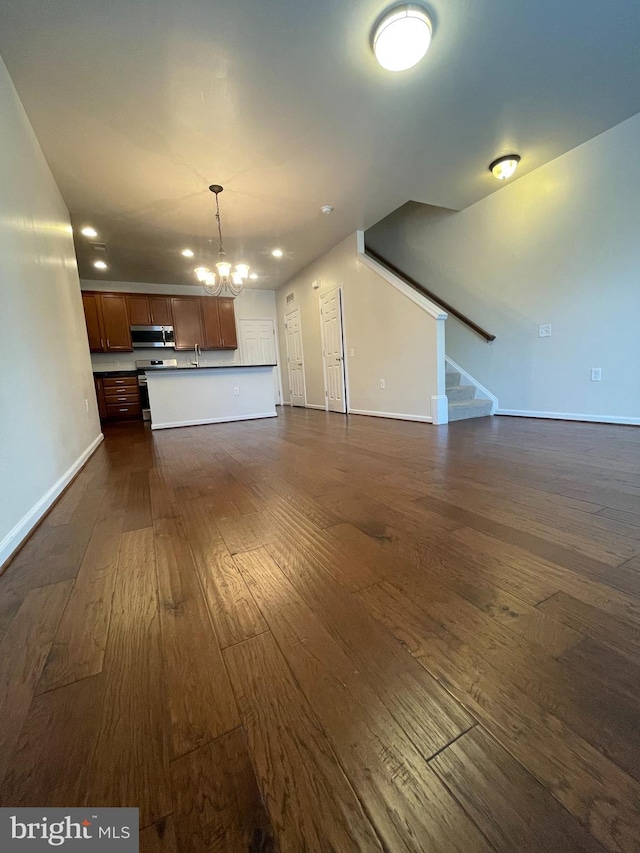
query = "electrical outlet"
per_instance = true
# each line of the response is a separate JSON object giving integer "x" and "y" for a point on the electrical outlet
{"x": 596, "y": 374}
{"x": 236, "y": 392}
{"x": 544, "y": 331}
{"x": 382, "y": 383}
{"x": 352, "y": 352}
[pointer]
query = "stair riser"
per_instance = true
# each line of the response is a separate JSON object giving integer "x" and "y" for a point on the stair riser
{"x": 461, "y": 393}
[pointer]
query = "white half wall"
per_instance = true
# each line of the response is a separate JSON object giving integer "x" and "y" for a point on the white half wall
{"x": 48, "y": 414}
{"x": 387, "y": 336}
{"x": 559, "y": 246}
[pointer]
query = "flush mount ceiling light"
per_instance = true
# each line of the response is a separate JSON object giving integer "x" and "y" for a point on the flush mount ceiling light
{"x": 100, "y": 265}
{"x": 277, "y": 253}
{"x": 402, "y": 37}
{"x": 224, "y": 279}
{"x": 504, "y": 167}
{"x": 326, "y": 209}
{"x": 187, "y": 253}
{"x": 253, "y": 276}
{"x": 88, "y": 231}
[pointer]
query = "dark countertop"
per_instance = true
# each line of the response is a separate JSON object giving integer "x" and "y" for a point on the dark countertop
{"x": 159, "y": 368}
{"x": 109, "y": 374}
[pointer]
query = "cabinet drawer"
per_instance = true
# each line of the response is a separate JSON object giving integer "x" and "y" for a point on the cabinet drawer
{"x": 123, "y": 410}
{"x": 121, "y": 395}
{"x": 119, "y": 381}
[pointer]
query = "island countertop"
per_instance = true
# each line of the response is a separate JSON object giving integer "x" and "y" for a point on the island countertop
{"x": 165, "y": 368}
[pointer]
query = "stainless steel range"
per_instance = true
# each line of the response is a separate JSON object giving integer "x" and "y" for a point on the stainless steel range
{"x": 150, "y": 364}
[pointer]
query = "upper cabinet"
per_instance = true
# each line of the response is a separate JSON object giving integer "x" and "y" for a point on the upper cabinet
{"x": 107, "y": 321}
{"x": 187, "y": 322}
{"x": 149, "y": 310}
{"x": 228, "y": 336}
{"x": 204, "y": 320}
{"x": 93, "y": 319}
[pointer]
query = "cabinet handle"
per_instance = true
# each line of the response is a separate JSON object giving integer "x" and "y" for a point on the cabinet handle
{"x": 124, "y": 410}
{"x": 101, "y": 344}
{"x": 108, "y": 343}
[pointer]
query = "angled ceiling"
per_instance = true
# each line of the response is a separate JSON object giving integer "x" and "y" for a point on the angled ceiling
{"x": 140, "y": 104}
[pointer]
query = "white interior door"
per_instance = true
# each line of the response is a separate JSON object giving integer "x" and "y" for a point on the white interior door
{"x": 295, "y": 363}
{"x": 257, "y": 339}
{"x": 333, "y": 350}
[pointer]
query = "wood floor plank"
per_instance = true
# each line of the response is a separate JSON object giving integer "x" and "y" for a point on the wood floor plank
{"x": 408, "y": 808}
{"x": 594, "y": 622}
{"x": 245, "y": 532}
{"x": 23, "y": 653}
{"x": 200, "y": 699}
{"x": 217, "y": 803}
{"x": 512, "y": 809}
{"x": 78, "y": 648}
{"x": 421, "y": 706}
{"x": 233, "y": 611}
{"x": 310, "y": 802}
{"x": 159, "y": 837}
{"x": 130, "y": 764}
{"x": 50, "y": 765}
{"x": 590, "y": 786}
{"x": 138, "y": 505}
{"x": 599, "y": 663}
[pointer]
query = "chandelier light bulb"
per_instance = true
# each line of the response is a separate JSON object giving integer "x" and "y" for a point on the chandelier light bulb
{"x": 242, "y": 270}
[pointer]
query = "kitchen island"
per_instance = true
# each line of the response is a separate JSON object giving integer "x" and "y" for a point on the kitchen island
{"x": 187, "y": 395}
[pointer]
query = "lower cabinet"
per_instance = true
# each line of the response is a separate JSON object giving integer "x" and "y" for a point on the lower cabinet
{"x": 118, "y": 397}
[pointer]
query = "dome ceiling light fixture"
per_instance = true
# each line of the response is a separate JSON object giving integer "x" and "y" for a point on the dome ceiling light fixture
{"x": 504, "y": 167}
{"x": 224, "y": 279}
{"x": 402, "y": 37}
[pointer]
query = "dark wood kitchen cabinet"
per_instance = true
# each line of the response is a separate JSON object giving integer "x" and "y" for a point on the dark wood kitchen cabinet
{"x": 149, "y": 310}
{"x": 118, "y": 397}
{"x": 228, "y": 336}
{"x": 107, "y": 320}
{"x": 208, "y": 321}
{"x": 115, "y": 321}
{"x": 187, "y": 322}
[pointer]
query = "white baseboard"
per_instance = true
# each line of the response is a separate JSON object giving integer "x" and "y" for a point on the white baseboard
{"x": 23, "y": 528}
{"x": 562, "y": 416}
{"x": 202, "y": 421}
{"x": 426, "y": 419}
{"x": 313, "y": 406}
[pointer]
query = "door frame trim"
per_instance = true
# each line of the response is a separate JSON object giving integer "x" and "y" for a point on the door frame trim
{"x": 286, "y": 340}
{"x": 345, "y": 377}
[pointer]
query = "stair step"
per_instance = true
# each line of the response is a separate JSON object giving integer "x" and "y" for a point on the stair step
{"x": 452, "y": 379}
{"x": 469, "y": 409}
{"x": 461, "y": 392}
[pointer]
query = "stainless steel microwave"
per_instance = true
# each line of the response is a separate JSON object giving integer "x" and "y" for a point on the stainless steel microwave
{"x": 146, "y": 337}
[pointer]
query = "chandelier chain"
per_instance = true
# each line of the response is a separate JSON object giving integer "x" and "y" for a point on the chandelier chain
{"x": 221, "y": 247}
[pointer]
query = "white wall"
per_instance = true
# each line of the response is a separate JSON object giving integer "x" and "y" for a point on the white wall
{"x": 391, "y": 337}
{"x": 560, "y": 245}
{"x": 45, "y": 428}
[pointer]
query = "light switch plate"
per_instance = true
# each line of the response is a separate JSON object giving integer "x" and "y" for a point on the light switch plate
{"x": 544, "y": 331}
{"x": 596, "y": 374}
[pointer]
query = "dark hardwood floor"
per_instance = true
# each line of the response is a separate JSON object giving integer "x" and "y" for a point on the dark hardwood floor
{"x": 319, "y": 633}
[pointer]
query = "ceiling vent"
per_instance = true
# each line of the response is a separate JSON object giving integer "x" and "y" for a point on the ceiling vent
{"x": 290, "y": 297}
{"x": 98, "y": 247}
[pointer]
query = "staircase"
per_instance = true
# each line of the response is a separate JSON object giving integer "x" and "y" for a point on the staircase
{"x": 463, "y": 403}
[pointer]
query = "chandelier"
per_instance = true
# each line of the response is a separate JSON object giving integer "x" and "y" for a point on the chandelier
{"x": 224, "y": 279}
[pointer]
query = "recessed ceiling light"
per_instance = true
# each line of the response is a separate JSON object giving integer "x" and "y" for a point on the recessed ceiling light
{"x": 504, "y": 167}
{"x": 187, "y": 253}
{"x": 100, "y": 265}
{"x": 402, "y": 37}
{"x": 277, "y": 253}
{"x": 326, "y": 208}
{"x": 89, "y": 231}
{"x": 253, "y": 276}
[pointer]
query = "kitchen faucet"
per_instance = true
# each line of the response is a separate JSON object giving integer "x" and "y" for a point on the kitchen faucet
{"x": 197, "y": 354}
